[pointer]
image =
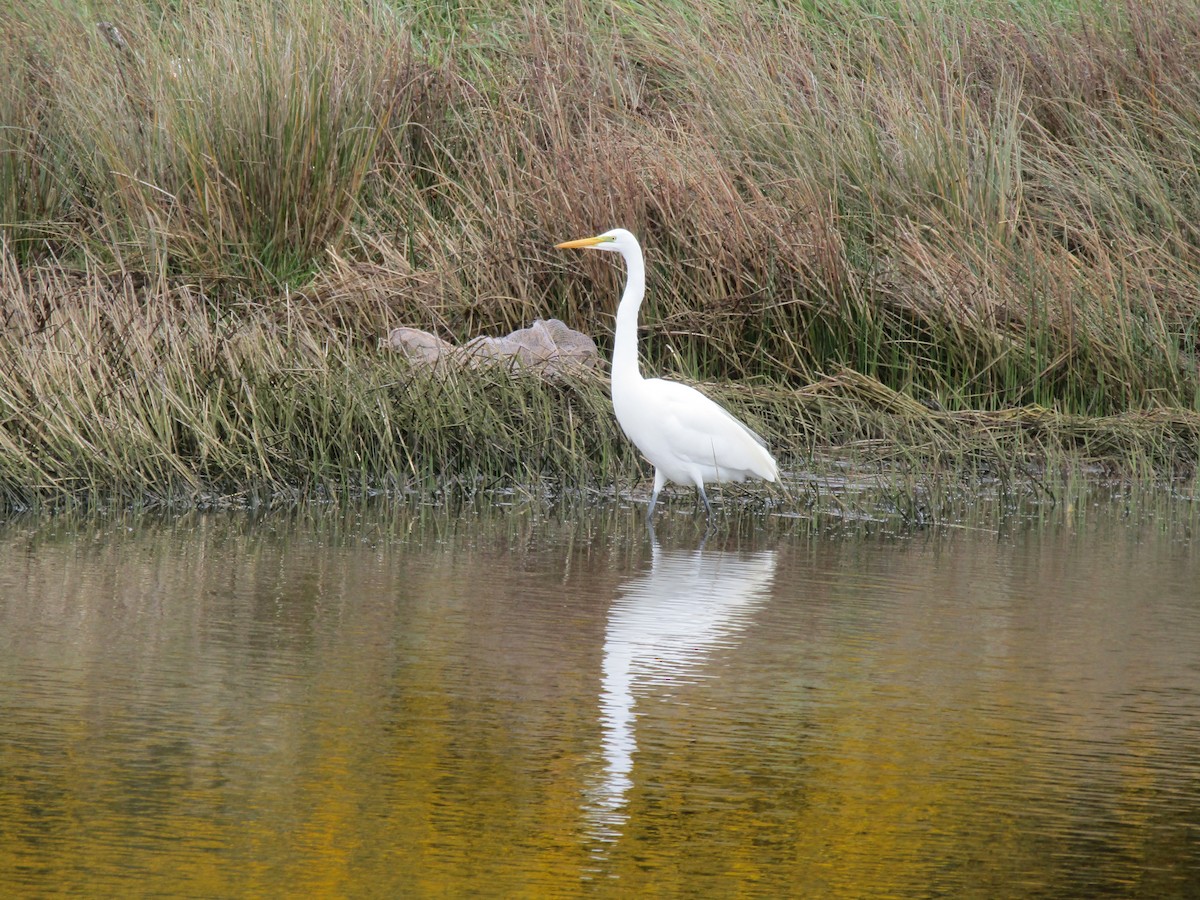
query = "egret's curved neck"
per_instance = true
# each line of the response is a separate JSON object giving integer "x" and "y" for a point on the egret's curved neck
{"x": 625, "y": 354}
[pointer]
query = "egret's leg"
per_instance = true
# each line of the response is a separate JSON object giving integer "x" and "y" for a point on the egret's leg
{"x": 659, "y": 481}
{"x": 704, "y": 497}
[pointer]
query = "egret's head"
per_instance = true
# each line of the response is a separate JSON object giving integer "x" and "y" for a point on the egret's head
{"x": 618, "y": 240}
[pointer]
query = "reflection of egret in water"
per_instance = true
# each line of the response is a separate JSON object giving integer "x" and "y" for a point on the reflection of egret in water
{"x": 661, "y": 628}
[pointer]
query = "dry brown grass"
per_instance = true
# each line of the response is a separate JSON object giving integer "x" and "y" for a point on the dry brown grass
{"x": 878, "y": 227}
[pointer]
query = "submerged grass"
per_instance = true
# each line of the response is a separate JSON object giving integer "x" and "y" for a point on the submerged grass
{"x": 929, "y": 238}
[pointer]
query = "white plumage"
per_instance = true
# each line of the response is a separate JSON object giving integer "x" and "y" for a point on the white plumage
{"x": 687, "y": 437}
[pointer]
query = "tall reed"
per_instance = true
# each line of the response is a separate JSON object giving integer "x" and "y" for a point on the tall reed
{"x": 209, "y": 214}
{"x": 219, "y": 139}
{"x": 982, "y": 212}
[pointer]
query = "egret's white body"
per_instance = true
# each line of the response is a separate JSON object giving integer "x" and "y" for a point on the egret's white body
{"x": 687, "y": 437}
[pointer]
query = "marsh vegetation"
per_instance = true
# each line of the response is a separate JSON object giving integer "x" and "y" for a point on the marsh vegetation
{"x": 935, "y": 238}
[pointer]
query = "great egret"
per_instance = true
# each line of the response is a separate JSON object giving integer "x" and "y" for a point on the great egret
{"x": 686, "y": 436}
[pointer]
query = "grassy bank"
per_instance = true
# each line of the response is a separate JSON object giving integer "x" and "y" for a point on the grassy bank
{"x": 934, "y": 239}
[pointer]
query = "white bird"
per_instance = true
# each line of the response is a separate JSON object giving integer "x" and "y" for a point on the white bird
{"x": 686, "y": 436}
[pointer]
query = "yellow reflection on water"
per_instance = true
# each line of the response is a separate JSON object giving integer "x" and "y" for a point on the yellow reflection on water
{"x": 382, "y": 703}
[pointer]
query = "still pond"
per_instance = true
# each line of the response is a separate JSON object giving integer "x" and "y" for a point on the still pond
{"x": 402, "y": 701}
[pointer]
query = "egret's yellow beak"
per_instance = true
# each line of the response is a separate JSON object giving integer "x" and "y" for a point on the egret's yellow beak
{"x": 583, "y": 242}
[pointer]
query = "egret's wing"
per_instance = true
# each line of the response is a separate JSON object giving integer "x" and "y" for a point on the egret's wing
{"x": 696, "y": 426}
{"x": 758, "y": 439}
{"x": 697, "y": 412}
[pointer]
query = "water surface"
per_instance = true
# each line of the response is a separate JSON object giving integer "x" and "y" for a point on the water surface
{"x": 398, "y": 701}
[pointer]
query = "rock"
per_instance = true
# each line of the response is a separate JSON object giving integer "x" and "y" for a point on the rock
{"x": 547, "y": 345}
{"x": 419, "y": 346}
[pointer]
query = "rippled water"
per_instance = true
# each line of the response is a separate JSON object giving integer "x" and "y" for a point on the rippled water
{"x": 399, "y": 702}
